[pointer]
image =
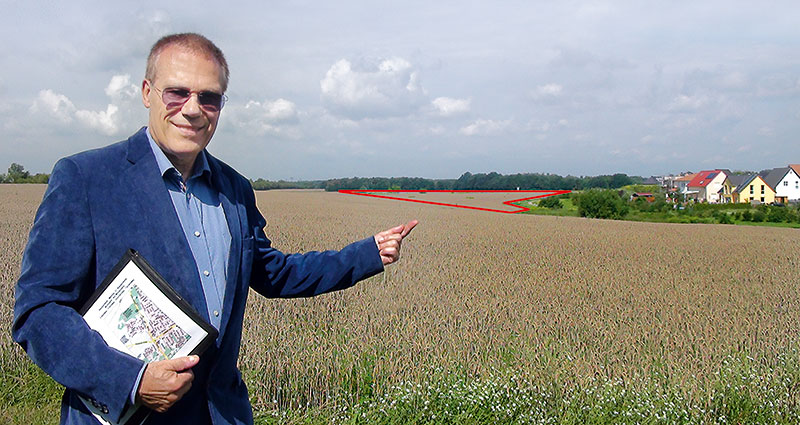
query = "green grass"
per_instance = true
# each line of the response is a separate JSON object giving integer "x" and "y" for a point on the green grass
{"x": 28, "y": 395}
{"x": 745, "y": 391}
{"x": 571, "y": 210}
{"x": 767, "y": 224}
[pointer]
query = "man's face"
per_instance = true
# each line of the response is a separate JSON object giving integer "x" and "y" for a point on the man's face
{"x": 182, "y": 131}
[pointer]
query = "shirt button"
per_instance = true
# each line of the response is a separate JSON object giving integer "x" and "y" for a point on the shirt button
{"x": 216, "y": 313}
{"x": 206, "y": 273}
{"x": 197, "y": 233}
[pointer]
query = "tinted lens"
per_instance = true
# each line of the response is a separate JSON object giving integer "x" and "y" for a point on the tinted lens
{"x": 175, "y": 97}
{"x": 208, "y": 100}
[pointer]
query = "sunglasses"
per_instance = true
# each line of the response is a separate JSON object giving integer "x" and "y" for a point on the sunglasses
{"x": 208, "y": 100}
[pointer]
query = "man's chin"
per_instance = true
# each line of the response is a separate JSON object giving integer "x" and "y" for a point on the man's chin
{"x": 182, "y": 142}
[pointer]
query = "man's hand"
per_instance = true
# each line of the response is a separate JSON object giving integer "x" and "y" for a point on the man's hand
{"x": 164, "y": 382}
{"x": 389, "y": 241}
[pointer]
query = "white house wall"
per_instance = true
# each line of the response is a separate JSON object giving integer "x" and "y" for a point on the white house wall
{"x": 713, "y": 188}
{"x": 789, "y": 187}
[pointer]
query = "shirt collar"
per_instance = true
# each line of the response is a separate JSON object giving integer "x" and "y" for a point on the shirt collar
{"x": 201, "y": 166}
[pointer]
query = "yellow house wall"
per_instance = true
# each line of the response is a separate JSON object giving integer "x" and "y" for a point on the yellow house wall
{"x": 727, "y": 193}
{"x": 746, "y": 197}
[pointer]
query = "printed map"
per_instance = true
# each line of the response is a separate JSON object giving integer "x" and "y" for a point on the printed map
{"x": 147, "y": 331}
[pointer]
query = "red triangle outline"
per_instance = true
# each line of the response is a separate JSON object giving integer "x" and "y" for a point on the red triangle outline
{"x": 371, "y": 193}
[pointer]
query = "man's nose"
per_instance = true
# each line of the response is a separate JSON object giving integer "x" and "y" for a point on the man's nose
{"x": 192, "y": 106}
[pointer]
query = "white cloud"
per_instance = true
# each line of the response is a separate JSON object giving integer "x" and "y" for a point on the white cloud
{"x": 484, "y": 127}
{"x": 447, "y": 106}
{"x": 280, "y": 110}
{"x": 538, "y": 126}
{"x": 551, "y": 89}
{"x": 277, "y": 117}
{"x": 390, "y": 88}
{"x": 120, "y": 87}
{"x": 103, "y": 121}
{"x": 684, "y": 103}
{"x": 107, "y": 122}
{"x": 55, "y": 104}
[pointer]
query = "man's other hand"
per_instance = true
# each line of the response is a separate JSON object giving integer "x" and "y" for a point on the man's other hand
{"x": 164, "y": 382}
{"x": 389, "y": 241}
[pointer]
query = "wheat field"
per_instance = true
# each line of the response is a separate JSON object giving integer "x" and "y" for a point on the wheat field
{"x": 551, "y": 299}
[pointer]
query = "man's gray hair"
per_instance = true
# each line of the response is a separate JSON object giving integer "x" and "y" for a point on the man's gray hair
{"x": 190, "y": 41}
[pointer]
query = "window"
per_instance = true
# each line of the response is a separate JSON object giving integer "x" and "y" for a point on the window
{"x": 751, "y": 189}
{"x": 786, "y": 182}
{"x": 762, "y": 199}
{"x": 762, "y": 189}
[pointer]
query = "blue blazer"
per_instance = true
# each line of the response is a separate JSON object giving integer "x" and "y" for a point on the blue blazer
{"x": 101, "y": 202}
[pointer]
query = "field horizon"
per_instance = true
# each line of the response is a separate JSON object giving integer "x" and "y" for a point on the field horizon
{"x": 630, "y": 316}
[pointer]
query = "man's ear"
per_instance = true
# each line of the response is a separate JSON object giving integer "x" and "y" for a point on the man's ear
{"x": 146, "y": 93}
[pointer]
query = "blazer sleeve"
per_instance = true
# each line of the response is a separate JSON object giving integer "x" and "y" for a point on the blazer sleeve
{"x": 57, "y": 277}
{"x": 278, "y": 275}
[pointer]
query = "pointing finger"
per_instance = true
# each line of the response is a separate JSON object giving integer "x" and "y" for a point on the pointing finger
{"x": 409, "y": 227}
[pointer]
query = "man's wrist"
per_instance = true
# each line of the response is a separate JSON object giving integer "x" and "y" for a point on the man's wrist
{"x": 134, "y": 395}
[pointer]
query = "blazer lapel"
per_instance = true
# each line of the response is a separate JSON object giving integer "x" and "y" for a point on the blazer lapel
{"x": 231, "y": 208}
{"x": 164, "y": 246}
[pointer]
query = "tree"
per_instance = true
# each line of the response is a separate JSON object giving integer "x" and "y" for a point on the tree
{"x": 777, "y": 214}
{"x": 17, "y": 173}
{"x": 724, "y": 218}
{"x": 601, "y": 204}
{"x": 40, "y": 178}
{"x": 551, "y": 202}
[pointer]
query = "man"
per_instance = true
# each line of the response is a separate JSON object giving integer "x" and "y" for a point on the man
{"x": 195, "y": 220}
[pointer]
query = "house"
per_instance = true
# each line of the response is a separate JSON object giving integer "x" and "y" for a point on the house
{"x": 728, "y": 194}
{"x": 679, "y": 184}
{"x": 754, "y": 190}
{"x": 653, "y": 180}
{"x": 643, "y": 195}
{"x": 785, "y": 182}
{"x": 706, "y": 185}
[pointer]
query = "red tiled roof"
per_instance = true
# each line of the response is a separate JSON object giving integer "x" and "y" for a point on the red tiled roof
{"x": 685, "y": 178}
{"x": 703, "y": 178}
{"x": 796, "y": 168}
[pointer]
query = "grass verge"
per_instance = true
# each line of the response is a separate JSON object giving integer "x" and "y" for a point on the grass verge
{"x": 744, "y": 391}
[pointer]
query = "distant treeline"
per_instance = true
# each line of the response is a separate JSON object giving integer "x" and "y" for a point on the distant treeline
{"x": 467, "y": 181}
{"x": 17, "y": 174}
{"x": 261, "y": 184}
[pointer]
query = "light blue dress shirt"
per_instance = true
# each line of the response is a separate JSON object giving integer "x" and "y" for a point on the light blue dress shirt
{"x": 203, "y": 221}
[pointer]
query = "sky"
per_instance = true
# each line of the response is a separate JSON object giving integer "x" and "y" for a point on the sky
{"x": 322, "y": 90}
